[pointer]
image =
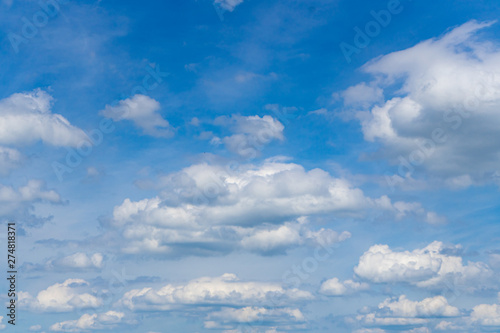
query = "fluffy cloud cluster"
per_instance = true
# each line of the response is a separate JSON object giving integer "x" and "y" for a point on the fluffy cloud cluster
{"x": 252, "y": 316}
{"x": 252, "y": 313}
{"x": 427, "y": 268}
{"x": 335, "y": 287}
{"x": 404, "y": 312}
{"x": 88, "y": 322}
{"x": 222, "y": 290}
{"x": 445, "y": 111}
{"x": 143, "y": 112}
{"x": 482, "y": 317}
{"x": 26, "y": 118}
{"x": 430, "y": 307}
{"x": 212, "y": 209}
{"x": 251, "y": 133}
{"x": 486, "y": 315}
{"x": 229, "y": 304}
{"x": 34, "y": 190}
{"x": 60, "y": 297}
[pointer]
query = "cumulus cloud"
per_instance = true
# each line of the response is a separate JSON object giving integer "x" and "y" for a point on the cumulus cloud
{"x": 486, "y": 315}
{"x": 143, "y": 112}
{"x": 251, "y": 133}
{"x": 252, "y": 316}
{"x": 403, "y": 312}
{"x": 78, "y": 260}
{"x": 34, "y": 190}
{"x": 427, "y": 268}
{"x": 335, "y": 287}
{"x": 2, "y": 326}
{"x": 26, "y": 118}
{"x": 254, "y": 207}
{"x": 429, "y": 307}
{"x": 252, "y": 313}
{"x": 101, "y": 321}
{"x": 445, "y": 111}
{"x": 228, "y": 5}
{"x": 269, "y": 240}
{"x": 60, "y": 297}
{"x": 223, "y": 290}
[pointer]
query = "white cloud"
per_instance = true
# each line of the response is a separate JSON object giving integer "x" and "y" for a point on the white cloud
{"x": 335, "y": 287}
{"x": 446, "y": 110}
{"x": 60, "y": 297}
{"x": 278, "y": 239}
{"x": 403, "y": 312}
{"x": 26, "y": 118}
{"x": 426, "y": 268}
{"x": 78, "y": 260}
{"x": 36, "y": 328}
{"x": 429, "y": 307}
{"x": 486, "y": 314}
{"x": 255, "y": 319}
{"x": 86, "y": 322}
{"x": 252, "y": 314}
{"x": 2, "y": 326}
{"x": 208, "y": 206}
{"x": 223, "y": 290}
{"x": 283, "y": 236}
{"x": 251, "y": 133}
{"x": 143, "y": 111}
{"x": 228, "y": 5}
{"x": 34, "y": 190}
{"x": 449, "y": 326}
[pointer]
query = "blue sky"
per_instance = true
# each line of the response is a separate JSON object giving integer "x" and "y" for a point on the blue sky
{"x": 251, "y": 166}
